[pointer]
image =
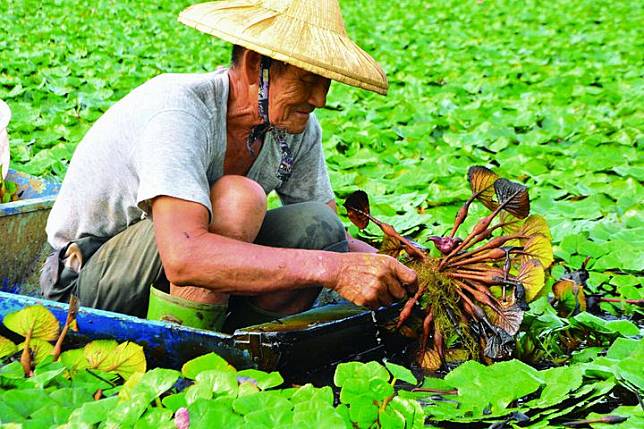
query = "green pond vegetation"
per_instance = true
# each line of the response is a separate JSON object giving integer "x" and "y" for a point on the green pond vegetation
{"x": 105, "y": 384}
{"x": 547, "y": 94}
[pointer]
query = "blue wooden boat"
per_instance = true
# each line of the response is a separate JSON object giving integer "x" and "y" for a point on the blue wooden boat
{"x": 299, "y": 346}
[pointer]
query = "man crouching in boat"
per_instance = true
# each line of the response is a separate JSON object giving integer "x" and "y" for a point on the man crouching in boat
{"x": 168, "y": 188}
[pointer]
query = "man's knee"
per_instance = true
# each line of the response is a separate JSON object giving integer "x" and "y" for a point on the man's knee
{"x": 239, "y": 207}
{"x": 323, "y": 227}
{"x": 239, "y": 190}
{"x": 310, "y": 225}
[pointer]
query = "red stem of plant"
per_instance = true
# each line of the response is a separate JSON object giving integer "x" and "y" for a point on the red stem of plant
{"x": 462, "y": 214}
{"x": 71, "y": 316}
{"x": 478, "y": 311}
{"x": 483, "y": 279}
{"x": 389, "y": 230}
{"x": 480, "y": 227}
{"x": 409, "y": 306}
{"x": 479, "y": 296}
{"x": 438, "y": 341}
{"x": 628, "y": 301}
{"x": 492, "y": 244}
{"x": 427, "y": 323}
{"x": 25, "y": 357}
{"x": 490, "y": 255}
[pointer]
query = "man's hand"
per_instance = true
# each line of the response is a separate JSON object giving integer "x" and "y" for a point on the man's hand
{"x": 373, "y": 280}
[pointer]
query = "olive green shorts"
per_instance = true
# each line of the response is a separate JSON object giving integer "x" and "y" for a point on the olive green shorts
{"x": 117, "y": 273}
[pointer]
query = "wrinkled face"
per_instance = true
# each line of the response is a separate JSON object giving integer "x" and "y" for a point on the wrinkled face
{"x": 293, "y": 94}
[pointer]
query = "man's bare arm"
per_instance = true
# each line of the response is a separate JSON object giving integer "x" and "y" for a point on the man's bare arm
{"x": 193, "y": 256}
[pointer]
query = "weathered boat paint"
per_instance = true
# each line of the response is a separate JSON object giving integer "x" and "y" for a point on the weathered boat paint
{"x": 22, "y": 233}
{"x": 165, "y": 344}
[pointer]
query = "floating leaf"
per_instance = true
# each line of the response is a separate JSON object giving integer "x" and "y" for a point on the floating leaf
{"x": 35, "y": 321}
{"x": 431, "y": 360}
{"x": 263, "y": 380}
{"x": 515, "y": 197}
{"x": 484, "y": 390}
{"x": 597, "y": 324}
{"x": 107, "y": 355}
{"x": 96, "y": 352}
{"x": 538, "y": 247}
{"x": 401, "y": 373}
{"x": 209, "y": 361}
{"x": 535, "y": 224}
{"x": 346, "y": 372}
{"x": 390, "y": 246}
{"x": 74, "y": 359}
{"x": 7, "y": 347}
{"x": 570, "y": 297}
{"x": 129, "y": 387}
{"x": 511, "y": 225}
{"x": 532, "y": 277}
{"x": 40, "y": 349}
{"x": 357, "y": 205}
{"x": 126, "y": 359}
{"x": 482, "y": 184}
{"x": 508, "y": 318}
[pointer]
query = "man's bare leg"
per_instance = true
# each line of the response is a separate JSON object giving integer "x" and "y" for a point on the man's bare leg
{"x": 239, "y": 207}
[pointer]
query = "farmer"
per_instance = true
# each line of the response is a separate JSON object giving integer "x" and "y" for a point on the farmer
{"x": 168, "y": 188}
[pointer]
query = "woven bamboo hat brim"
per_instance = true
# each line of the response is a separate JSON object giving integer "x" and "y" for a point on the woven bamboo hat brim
{"x": 309, "y": 34}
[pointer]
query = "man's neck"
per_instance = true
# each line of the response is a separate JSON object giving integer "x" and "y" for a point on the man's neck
{"x": 242, "y": 113}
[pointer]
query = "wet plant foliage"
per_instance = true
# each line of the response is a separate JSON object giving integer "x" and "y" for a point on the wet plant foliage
{"x": 545, "y": 94}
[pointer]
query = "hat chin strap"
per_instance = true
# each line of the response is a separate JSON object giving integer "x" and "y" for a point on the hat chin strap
{"x": 258, "y": 133}
{"x": 264, "y": 79}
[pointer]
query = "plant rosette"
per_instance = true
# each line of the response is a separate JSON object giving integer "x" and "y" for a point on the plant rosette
{"x": 474, "y": 294}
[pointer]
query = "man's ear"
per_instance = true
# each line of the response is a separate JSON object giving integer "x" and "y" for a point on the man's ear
{"x": 250, "y": 66}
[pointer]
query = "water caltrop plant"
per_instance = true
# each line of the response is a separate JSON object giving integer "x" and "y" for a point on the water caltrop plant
{"x": 39, "y": 327}
{"x": 473, "y": 296}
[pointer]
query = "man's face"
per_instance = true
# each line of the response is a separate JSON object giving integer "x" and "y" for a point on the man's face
{"x": 293, "y": 94}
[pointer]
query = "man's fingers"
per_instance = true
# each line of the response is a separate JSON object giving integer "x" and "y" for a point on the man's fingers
{"x": 386, "y": 299}
{"x": 395, "y": 289}
{"x": 406, "y": 275}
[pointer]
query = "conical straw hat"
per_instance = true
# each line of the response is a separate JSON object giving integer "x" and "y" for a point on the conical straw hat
{"x": 309, "y": 34}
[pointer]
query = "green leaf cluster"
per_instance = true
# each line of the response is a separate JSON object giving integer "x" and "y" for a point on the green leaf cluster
{"x": 513, "y": 392}
{"x": 64, "y": 395}
{"x": 547, "y": 338}
{"x": 105, "y": 385}
{"x": 368, "y": 397}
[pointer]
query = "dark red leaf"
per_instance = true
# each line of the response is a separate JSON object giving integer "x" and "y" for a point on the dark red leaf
{"x": 357, "y": 205}
{"x": 515, "y": 197}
